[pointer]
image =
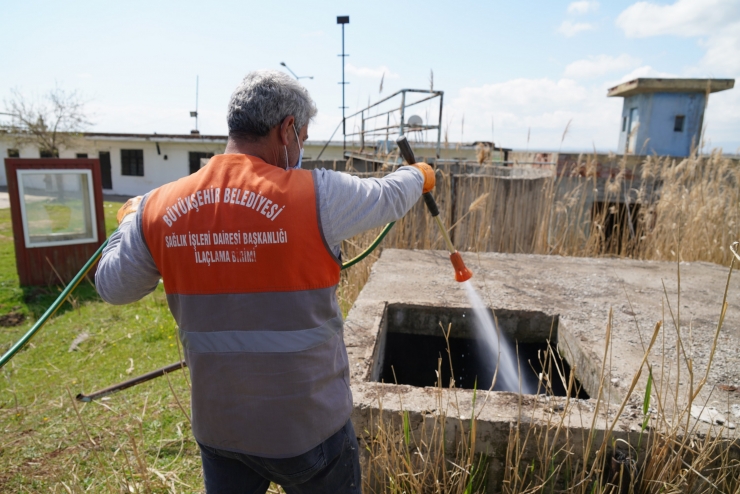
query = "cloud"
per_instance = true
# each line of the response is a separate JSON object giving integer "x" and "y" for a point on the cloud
{"x": 683, "y": 18}
{"x": 570, "y": 29}
{"x": 644, "y": 71}
{"x": 715, "y": 22}
{"x": 723, "y": 51}
{"x": 582, "y": 7}
{"x": 370, "y": 72}
{"x": 600, "y": 65}
{"x": 721, "y": 122}
{"x": 543, "y": 105}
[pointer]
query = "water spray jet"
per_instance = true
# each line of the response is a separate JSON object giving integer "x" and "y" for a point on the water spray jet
{"x": 462, "y": 273}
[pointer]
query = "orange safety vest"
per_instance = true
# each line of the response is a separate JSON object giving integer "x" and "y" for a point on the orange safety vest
{"x": 252, "y": 285}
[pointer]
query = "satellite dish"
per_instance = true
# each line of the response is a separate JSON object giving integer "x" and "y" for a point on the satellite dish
{"x": 415, "y": 121}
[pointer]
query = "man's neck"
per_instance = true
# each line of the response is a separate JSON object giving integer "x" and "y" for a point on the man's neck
{"x": 263, "y": 149}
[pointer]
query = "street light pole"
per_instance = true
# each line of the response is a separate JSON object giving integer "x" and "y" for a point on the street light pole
{"x": 194, "y": 114}
{"x": 343, "y": 19}
{"x": 297, "y": 78}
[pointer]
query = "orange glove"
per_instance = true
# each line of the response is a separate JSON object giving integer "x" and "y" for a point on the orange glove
{"x": 131, "y": 206}
{"x": 429, "y": 178}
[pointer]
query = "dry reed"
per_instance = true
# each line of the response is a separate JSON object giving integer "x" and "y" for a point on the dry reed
{"x": 635, "y": 212}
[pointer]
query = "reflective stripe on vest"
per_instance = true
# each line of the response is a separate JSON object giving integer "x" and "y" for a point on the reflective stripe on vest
{"x": 260, "y": 341}
{"x": 252, "y": 286}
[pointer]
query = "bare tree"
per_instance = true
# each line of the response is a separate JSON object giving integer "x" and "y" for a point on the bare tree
{"x": 50, "y": 122}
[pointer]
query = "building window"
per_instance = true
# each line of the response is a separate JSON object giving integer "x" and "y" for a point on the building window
{"x": 678, "y": 124}
{"x": 13, "y": 153}
{"x": 195, "y": 157}
{"x": 132, "y": 162}
{"x": 81, "y": 155}
{"x": 624, "y": 124}
{"x": 48, "y": 153}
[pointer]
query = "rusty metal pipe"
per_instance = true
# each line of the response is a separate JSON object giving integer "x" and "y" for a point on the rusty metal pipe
{"x": 131, "y": 382}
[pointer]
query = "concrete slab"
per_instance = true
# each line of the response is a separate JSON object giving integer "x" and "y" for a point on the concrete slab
{"x": 649, "y": 85}
{"x": 581, "y": 292}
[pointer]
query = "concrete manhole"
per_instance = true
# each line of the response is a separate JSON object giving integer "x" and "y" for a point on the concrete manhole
{"x": 412, "y": 349}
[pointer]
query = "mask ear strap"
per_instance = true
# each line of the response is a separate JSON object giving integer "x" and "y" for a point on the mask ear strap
{"x": 297, "y": 138}
{"x": 287, "y": 164}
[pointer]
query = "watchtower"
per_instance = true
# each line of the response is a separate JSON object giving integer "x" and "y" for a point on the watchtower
{"x": 664, "y": 116}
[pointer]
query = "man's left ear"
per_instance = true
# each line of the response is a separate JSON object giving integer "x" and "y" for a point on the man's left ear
{"x": 286, "y": 129}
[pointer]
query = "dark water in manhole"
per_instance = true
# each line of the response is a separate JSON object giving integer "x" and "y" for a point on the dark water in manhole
{"x": 413, "y": 358}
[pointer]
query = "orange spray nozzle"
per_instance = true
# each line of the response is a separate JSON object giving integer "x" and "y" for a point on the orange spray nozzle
{"x": 462, "y": 273}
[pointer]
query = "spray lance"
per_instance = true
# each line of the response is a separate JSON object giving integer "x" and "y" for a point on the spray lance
{"x": 462, "y": 273}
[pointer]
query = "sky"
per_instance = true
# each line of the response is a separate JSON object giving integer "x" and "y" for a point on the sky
{"x": 513, "y": 72}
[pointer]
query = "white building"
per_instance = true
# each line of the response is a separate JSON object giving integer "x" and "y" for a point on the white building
{"x": 134, "y": 164}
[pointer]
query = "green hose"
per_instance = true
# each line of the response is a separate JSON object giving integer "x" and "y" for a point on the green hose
{"x": 54, "y": 307}
{"x": 91, "y": 262}
{"x": 371, "y": 248}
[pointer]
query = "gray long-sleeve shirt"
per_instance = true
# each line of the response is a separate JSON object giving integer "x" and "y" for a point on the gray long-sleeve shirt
{"x": 348, "y": 205}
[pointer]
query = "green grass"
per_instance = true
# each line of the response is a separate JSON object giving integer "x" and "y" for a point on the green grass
{"x": 139, "y": 439}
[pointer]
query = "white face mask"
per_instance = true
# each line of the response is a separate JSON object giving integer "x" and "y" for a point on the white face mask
{"x": 300, "y": 153}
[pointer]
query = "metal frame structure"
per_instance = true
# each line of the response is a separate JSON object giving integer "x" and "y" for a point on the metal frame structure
{"x": 402, "y": 125}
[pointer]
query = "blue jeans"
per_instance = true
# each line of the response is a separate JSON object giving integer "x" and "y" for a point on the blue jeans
{"x": 331, "y": 467}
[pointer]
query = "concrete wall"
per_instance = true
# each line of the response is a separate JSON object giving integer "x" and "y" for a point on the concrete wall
{"x": 657, "y": 113}
{"x": 334, "y": 151}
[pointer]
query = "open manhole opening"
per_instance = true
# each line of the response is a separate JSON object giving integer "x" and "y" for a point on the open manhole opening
{"x": 411, "y": 342}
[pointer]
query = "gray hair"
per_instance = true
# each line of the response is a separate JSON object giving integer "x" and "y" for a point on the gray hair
{"x": 263, "y": 100}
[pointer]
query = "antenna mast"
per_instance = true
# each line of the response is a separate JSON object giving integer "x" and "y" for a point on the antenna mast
{"x": 343, "y": 19}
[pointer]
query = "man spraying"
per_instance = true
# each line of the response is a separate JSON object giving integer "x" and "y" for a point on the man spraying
{"x": 248, "y": 250}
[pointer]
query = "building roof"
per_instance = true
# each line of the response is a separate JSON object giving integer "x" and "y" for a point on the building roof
{"x": 644, "y": 85}
{"x": 192, "y": 138}
{"x": 109, "y": 136}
